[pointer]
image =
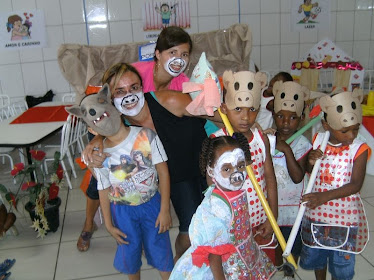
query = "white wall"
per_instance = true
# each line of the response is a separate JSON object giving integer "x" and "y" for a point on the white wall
{"x": 33, "y": 72}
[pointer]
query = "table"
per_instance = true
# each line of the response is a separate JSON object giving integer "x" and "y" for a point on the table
{"x": 26, "y": 135}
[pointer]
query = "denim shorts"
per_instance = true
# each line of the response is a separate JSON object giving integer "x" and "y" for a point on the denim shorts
{"x": 341, "y": 264}
{"x": 138, "y": 223}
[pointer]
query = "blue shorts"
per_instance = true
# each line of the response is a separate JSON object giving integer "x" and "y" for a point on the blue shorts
{"x": 296, "y": 249}
{"x": 186, "y": 196}
{"x": 341, "y": 264}
{"x": 138, "y": 223}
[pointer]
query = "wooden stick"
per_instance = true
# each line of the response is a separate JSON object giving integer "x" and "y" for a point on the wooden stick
{"x": 261, "y": 196}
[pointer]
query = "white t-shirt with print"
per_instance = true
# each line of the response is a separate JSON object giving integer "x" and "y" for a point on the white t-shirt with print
{"x": 130, "y": 171}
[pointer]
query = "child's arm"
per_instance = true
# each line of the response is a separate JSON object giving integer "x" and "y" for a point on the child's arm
{"x": 358, "y": 174}
{"x": 164, "y": 218}
{"x": 271, "y": 187}
{"x": 296, "y": 169}
{"x": 118, "y": 235}
{"x": 215, "y": 262}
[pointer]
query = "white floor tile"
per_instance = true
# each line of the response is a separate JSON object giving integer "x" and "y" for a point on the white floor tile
{"x": 37, "y": 262}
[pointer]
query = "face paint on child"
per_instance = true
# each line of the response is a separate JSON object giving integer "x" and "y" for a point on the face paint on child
{"x": 175, "y": 66}
{"x": 229, "y": 170}
{"x": 130, "y": 104}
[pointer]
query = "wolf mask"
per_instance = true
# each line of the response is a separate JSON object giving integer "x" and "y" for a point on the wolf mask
{"x": 98, "y": 112}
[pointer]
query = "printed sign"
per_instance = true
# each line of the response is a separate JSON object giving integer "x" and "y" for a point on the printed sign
{"x": 147, "y": 52}
{"x": 22, "y": 30}
{"x": 310, "y": 15}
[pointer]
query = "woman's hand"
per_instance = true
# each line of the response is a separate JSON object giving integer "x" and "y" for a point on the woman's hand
{"x": 93, "y": 155}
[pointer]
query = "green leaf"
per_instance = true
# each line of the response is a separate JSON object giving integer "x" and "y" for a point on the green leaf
{"x": 3, "y": 189}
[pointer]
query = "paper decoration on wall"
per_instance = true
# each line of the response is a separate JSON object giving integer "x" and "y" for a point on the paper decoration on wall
{"x": 161, "y": 14}
{"x": 326, "y": 55}
{"x": 147, "y": 52}
{"x": 310, "y": 15}
{"x": 22, "y": 30}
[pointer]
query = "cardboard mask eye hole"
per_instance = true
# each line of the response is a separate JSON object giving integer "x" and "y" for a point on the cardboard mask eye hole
{"x": 283, "y": 95}
{"x": 250, "y": 85}
{"x": 236, "y": 86}
{"x": 339, "y": 109}
{"x": 296, "y": 97}
{"x": 353, "y": 104}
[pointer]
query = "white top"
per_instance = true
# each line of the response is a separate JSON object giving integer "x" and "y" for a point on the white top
{"x": 130, "y": 172}
{"x": 289, "y": 193}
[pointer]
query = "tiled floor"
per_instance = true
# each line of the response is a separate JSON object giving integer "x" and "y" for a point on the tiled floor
{"x": 56, "y": 256}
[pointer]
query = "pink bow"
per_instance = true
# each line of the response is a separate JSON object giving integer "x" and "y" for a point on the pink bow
{"x": 207, "y": 101}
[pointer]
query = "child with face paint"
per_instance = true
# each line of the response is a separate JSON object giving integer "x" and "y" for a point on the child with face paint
{"x": 136, "y": 214}
{"x": 172, "y": 54}
{"x": 242, "y": 94}
{"x": 334, "y": 226}
{"x": 222, "y": 242}
{"x": 290, "y": 162}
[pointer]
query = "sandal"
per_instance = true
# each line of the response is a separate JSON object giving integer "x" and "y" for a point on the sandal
{"x": 6, "y": 265}
{"x": 84, "y": 239}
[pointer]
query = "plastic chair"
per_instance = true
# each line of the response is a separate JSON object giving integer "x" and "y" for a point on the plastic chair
{"x": 69, "y": 141}
{"x": 6, "y": 111}
{"x": 68, "y": 98}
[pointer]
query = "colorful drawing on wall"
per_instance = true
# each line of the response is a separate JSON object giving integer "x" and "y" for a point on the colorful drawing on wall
{"x": 22, "y": 30}
{"x": 310, "y": 14}
{"x": 161, "y": 14}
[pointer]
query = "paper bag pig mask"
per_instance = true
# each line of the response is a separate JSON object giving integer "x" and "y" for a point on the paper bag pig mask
{"x": 343, "y": 109}
{"x": 289, "y": 96}
{"x": 243, "y": 89}
{"x": 98, "y": 112}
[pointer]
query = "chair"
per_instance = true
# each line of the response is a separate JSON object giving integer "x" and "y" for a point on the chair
{"x": 70, "y": 138}
{"x": 68, "y": 98}
{"x": 8, "y": 110}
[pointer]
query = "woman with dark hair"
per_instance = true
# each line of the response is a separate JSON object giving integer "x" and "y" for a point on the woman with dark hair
{"x": 181, "y": 134}
{"x": 172, "y": 55}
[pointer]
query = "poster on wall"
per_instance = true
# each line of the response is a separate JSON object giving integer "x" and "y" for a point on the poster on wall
{"x": 310, "y": 15}
{"x": 160, "y": 14}
{"x": 22, "y": 30}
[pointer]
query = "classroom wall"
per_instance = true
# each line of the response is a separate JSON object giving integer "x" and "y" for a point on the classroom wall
{"x": 105, "y": 22}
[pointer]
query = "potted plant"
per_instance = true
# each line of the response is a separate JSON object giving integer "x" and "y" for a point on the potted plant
{"x": 38, "y": 192}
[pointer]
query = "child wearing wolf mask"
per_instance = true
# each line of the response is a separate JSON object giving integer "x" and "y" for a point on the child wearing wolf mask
{"x": 135, "y": 213}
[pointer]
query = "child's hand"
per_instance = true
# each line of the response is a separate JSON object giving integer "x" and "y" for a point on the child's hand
{"x": 312, "y": 200}
{"x": 118, "y": 235}
{"x": 265, "y": 230}
{"x": 270, "y": 131}
{"x": 314, "y": 155}
{"x": 163, "y": 221}
{"x": 281, "y": 145}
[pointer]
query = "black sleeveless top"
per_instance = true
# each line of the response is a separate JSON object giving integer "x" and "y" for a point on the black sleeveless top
{"x": 182, "y": 138}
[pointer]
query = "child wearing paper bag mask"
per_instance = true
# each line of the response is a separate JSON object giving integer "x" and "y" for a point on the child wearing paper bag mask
{"x": 335, "y": 213}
